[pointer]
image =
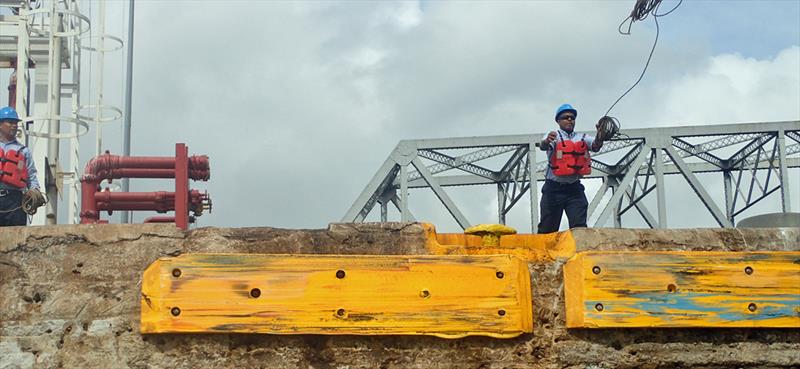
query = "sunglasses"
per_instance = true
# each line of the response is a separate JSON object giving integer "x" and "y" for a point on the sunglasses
{"x": 567, "y": 117}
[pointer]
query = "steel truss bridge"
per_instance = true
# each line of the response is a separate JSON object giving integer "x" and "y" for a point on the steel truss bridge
{"x": 754, "y": 160}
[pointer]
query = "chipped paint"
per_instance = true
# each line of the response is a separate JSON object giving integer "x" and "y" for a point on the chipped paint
{"x": 445, "y": 296}
{"x": 682, "y": 289}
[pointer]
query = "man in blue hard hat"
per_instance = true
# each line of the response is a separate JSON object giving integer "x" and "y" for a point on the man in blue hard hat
{"x": 19, "y": 187}
{"x": 568, "y": 161}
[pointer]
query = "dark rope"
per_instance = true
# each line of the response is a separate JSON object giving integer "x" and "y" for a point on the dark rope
{"x": 608, "y": 126}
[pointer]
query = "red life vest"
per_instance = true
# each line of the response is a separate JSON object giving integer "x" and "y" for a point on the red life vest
{"x": 570, "y": 158}
{"x": 13, "y": 168}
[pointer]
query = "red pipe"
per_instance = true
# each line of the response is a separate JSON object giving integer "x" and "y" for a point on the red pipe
{"x": 89, "y": 212}
{"x": 160, "y": 201}
{"x": 159, "y": 220}
{"x": 106, "y": 196}
{"x": 135, "y": 205}
{"x": 109, "y": 166}
{"x": 181, "y": 186}
{"x": 144, "y": 173}
{"x": 181, "y": 167}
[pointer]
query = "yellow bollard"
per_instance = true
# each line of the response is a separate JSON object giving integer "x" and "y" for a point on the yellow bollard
{"x": 490, "y": 233}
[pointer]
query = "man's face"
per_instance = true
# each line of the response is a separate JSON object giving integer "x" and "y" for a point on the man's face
{"x": 8, "y": 129}
{"x": 566, "y": 121}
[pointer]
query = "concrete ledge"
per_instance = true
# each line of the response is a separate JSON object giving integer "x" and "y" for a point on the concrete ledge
{"x": 70, "y": 298}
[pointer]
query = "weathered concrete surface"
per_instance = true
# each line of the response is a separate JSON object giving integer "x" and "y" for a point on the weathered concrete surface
{"x": 69, "y": 297}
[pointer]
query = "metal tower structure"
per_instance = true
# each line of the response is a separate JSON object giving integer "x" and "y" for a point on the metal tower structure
{"x": 40, "y": 40}
{"x": 754, "y": 160}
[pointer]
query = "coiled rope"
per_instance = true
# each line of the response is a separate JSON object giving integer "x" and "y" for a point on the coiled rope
{"x": 28, "y": 205}
{"x": 608, "y": 126}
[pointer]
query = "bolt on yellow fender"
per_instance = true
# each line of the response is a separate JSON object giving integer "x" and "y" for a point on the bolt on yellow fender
{"x": 446, "y": 296}
{"x": 608, "y": 289}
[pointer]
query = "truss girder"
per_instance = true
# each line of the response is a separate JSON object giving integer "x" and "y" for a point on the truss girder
{"x": 769, "y": 150}
{"x": 454, "y": 163}
{"x": 374, "y": 190}
{"x": 692, "y": 150}
{"x": 469, "y": 158}
{"x": 793, "y": 135}
{"x": 750, "y": 148}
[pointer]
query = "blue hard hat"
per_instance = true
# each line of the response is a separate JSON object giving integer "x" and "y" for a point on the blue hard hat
{"x": 9, "y": 113}
{"x": 566, "y": 107}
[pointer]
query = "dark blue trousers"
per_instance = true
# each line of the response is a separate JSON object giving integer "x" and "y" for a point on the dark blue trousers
{"x": 558, "y": 198}
{"x": 11, "y": 213}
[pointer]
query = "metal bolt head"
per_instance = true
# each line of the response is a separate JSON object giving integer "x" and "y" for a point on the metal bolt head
{"x": 255, "y": 293}
{"x": 175, "y": 311}
{"x": 752, "y": 307}
{"x": 424, "y": 294}
{"x": 598, "y": 307}
{"x": 596, "y": 269}
{"x": 340, "y": 312}
{"x": 500, "y": 275}
{"x": 501, "y": 312}
{"x": 176, "y": 272}
{"x": 340, "y": 274}
{"x": 748, "y": 270}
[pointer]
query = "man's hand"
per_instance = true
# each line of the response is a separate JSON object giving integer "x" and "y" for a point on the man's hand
{"x": 545, "y": 144}
{"x": 32, "y": 200}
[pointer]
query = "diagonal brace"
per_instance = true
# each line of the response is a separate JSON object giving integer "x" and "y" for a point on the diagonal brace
{"x": 626, "y": 182}
{"x": 698, "y": 188}
{"x": 439, "y": 191}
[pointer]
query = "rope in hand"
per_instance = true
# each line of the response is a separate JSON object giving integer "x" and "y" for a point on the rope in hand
{"x": 31, "y": 201}
{"x": 608, "y": 126}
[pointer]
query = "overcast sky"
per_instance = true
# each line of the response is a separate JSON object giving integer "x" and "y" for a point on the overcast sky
{"x": 298, "y": 103}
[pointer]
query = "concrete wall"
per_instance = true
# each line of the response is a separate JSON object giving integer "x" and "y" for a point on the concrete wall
{"x": 69, "y": 298}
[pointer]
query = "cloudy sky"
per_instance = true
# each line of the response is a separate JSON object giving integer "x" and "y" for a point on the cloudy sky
{"x": 298, "y": 103}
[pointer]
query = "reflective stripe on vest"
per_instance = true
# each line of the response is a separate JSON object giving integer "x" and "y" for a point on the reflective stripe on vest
{"x": 571, "y": 157}
{"x": 13, "y": 168}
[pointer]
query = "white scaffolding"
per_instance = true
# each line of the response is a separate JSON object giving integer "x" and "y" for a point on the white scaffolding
{"x": 43, "y": 39}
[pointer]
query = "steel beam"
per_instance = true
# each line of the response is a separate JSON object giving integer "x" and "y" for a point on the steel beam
{"x": 532, "y": 188}
{"x": 626, "y": 181}
{"x": 691, "y": 150}
{"x": 699, "y": 189}
{"x": 501, "y": 204}
{"x": 598, "y": 196}
{"x": 753, "y": 146}
{"x": 786, "y": 202}
{"x": 682, "y": 131}
{"x": 472, "y": 157}
{"x": 641, "y": 209}
{"x": 729, "y": 194}
{"x": 396, "y": 202}
{"x": 669, "y": 169}
{"x": 404, "y": 193}
{"x": 440, "y": 193}
{"x": 457, "y": 164}
{"x": 366, "y": 200}
{"x": 661, "y": 192}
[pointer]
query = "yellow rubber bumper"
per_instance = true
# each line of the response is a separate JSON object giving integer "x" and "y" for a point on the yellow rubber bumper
{"x": 446, "y": 296}
{"x": 607, "y": 289}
